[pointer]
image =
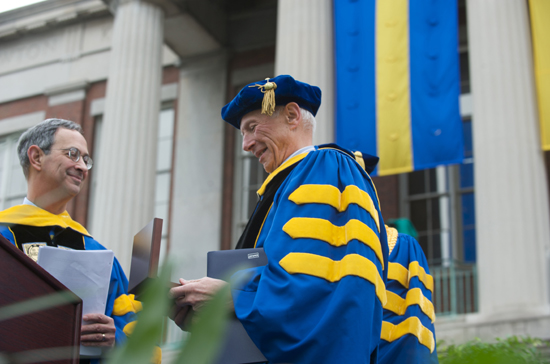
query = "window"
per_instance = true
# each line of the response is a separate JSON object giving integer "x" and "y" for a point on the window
{"x": 428, "y": 209}
{"x": 440, "y": 204}
{"x": 249, "y": 176}
{"x": 164, "y": 171}
{"x": 13, "y": 185}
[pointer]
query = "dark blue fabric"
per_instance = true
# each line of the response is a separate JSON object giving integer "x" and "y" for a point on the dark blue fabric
{"x": 288, "y": 90}
{"x": 300, "y": 318}
{"x": 370, "y": 160}
{"x": 435, "y": 83}
{"x": 354, "y": 26}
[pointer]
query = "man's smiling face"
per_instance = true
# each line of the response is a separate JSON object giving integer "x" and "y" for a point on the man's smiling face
{"x": 61, "y": 174}
{"x": 268, "y": 138}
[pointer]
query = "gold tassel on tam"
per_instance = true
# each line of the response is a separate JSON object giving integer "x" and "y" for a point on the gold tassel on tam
{"x": 268, "y": 102}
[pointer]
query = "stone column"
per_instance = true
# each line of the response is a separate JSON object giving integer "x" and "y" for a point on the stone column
{"x": 198, "y": 162}
{"x": 512, "y": 218}
{"x": 305, "y": 51}
{"x": 126, "y": 175}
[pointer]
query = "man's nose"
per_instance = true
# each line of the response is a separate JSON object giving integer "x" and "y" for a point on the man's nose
{"x": 81, "y": 165}
{"x": 248, "y": 143}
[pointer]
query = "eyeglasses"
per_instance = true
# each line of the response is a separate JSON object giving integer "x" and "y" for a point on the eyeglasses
{"x": 74, "y": 155}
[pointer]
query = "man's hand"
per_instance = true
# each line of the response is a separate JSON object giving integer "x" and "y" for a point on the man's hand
{"x": 99, "y": 330}
{"x": 182, "y": 316}
{"x": 197, "y": 292}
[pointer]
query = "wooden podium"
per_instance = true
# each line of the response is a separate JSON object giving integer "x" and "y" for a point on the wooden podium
{"x": 47, "y": 336}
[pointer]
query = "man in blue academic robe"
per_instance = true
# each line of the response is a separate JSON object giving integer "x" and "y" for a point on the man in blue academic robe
{"x": 319, "y": 299}
{"x": 408, "y": 333}
{"x": 55, "y": 160}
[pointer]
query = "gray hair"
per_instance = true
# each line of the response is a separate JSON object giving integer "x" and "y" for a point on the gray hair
{"x": 309, "y": 120}
{"x": 41, "y": 135}
{"x": 307, "y": 117}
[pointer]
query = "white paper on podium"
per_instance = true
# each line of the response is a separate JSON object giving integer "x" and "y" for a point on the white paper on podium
{"x": 87, "y": 273}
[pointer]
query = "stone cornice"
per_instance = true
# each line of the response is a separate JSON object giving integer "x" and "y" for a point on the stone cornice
{"x": 168, "y": 6}
{"x": 48, "y": 15}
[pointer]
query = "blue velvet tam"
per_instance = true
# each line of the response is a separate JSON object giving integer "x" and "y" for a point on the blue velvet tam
{"x": 288, "y": 90}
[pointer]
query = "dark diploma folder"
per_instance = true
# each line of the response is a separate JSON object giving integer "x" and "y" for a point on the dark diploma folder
{"x": 238, "y": 348}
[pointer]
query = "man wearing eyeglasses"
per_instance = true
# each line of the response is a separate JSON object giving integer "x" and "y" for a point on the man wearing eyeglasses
{"x": 55, "y": 160}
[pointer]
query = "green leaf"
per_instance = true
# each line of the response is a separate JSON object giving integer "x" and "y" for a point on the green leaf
{"x": 140, "y": 346}
{"x": 207, "y": 331}
{"x": 512, "y": 350}
{"x": 37, "y": 304}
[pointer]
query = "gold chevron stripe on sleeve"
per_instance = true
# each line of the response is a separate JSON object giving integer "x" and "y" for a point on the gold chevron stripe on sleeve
{"x": 403, "y": 275}
{"x": 126, "y": 303}
{"x": 313, "y": 228}
{"x": 399, "y": 306}
{"x": 330, "y": 195}
{"x": 415, "y": 270}
{"x": 413, "y": 326}
{"x": 335, "y": 270}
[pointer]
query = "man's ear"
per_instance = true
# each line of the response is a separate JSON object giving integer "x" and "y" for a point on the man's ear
{"x": 293, "y": 114}
{"x": 36, "y": 157}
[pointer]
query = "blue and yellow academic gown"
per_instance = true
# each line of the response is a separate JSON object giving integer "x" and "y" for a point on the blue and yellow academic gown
{"x": 408, "y": 334}
{"x": 29, "y": 227}
{"x": 320, "y": 297}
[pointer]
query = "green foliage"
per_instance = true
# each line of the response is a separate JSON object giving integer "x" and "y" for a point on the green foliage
{"x": 140, "y": 345}
{"x": 513, "y": 350}
{"x": 206, "y": 329}
{"x": 37, "y": 304}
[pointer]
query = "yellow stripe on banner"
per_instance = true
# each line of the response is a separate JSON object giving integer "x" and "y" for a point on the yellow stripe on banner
{"x": 330, "y": 195}
{"x": 126, "y": 303}
{"x": 403, "y": 275}
{"x": 399, "y": 306}
{"x": 540, "y": 28}
{"x": 393, "y": 100}
{"x": 335, "y": 270}
{"x": 312, "y": 228}
{"x": 413, "y": 326}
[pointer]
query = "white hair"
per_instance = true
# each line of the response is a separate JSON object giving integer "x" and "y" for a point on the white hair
{"x": 307, "y": 118}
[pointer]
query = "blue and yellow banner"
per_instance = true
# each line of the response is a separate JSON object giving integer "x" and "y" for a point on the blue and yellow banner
{"x": 398, "y": 82}
{"x": 540, "y": 29}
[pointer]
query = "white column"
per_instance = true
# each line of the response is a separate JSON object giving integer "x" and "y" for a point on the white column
{"x": 126, "y": 174}
{"x": 304, "y": 50}
{"x": 512, "y": 218}
{"x": 198, "y": 173}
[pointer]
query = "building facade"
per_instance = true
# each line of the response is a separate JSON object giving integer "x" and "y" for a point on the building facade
{"x": 146, "y": 79}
